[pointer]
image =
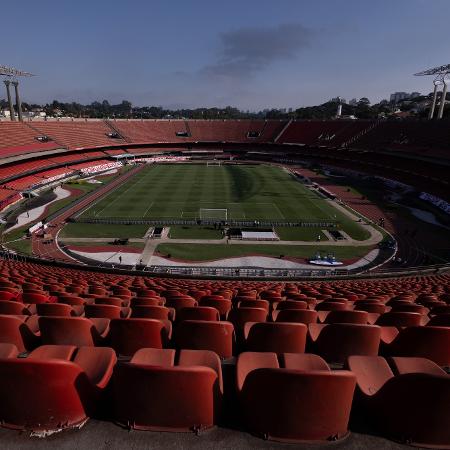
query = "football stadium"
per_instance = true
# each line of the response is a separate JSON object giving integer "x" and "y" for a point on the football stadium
{"x": 246, "y": 282}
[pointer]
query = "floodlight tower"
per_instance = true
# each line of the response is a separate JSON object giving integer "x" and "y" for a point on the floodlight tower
{"x": 441, "y": 76}
{"x": 339, "y": 108}
{"x": 11, "y": 77}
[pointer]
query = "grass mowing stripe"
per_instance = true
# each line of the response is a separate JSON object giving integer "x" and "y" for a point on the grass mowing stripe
{"x": 254, "y": 192}
{"x": 208, "y": 252}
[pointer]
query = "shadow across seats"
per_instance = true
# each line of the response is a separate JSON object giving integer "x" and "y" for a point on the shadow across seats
{"x": 412, "y": 406}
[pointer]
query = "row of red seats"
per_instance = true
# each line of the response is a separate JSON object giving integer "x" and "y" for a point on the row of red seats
{"x": 323, "y": 132}
{"x": 335, "y": 341}
{"x": 425, "y": 137}
{"x": 82, "y": 134}
{"x": 16, "y": 275}
{"x": 401, "y": 314}
{"x": 17, "y": 138}
{"x": 288, "y": 397}
{"x": 77, "y": 134}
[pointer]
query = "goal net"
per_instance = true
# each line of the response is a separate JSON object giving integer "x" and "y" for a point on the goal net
{"x": 213, "y": 214}
{"x": 213, "y": 163}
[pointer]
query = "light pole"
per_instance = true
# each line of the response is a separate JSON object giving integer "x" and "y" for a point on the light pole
{"x": 11, "y": 106}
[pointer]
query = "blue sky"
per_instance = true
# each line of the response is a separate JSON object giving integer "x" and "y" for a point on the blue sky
{"x": 252, "y": 54}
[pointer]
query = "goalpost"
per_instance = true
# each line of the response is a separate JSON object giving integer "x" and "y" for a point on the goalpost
{"x": 219, "y": 214}
{"x": 213, "y": 163}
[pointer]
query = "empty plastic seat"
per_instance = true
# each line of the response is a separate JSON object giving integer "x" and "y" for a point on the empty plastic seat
{"x": 305, "y": 316}
{"x": 335, "y": 342}
{"x": 370, "y": 307}
{"x": 72, "y": 300}
{"x": 292, "y": 304}
{"x": 221, "y": 304}
{"x": 76, "y": 331}
{"x": 106, "y": 311}
{"x": 13, "y": 308}
{"x": 31, "y": 297}
{"x": 239, "y": 316}
{"x": 332, "y": 306}
{"x": 198, "y": 313}
{"x": 275, "y": 337}
{"x": 58, "y": 309}
{"x": 153, "y": 312}
{"x": 441, "y": 309}
{"x": 115, "y": 301}
{"x": 8, "y": 351}
{"x": 303, "y": 361}
{"x": 206, "y": 335}
{"x": 146, "y": 301}
{"x": 410, "y": 307}
{"x": 293, "y": 405}
{"x": 129, "y": 335}
{"x": 8, "y": 295}
{"x": 67, "y": 398}
{"x": 411, "y": 407}
{"x": 402, "y": 365}
{"x": 429, "y": 342}
{"x": 400, "y": 319}
{"x": 358, "y": 317}
{"x": 180, "y": 302}
{"x": 14, "y": 330}
{"x": 154, "y": 357}
{"x": 151, "y": 396}
{"x": 439, "y": 320}
{"x": 264, "y": 304}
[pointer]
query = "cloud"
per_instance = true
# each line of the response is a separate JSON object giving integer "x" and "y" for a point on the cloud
{"x": 246, "y": 51}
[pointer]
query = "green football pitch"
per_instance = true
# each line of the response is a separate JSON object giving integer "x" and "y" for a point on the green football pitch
{"x": 180, "y": 191}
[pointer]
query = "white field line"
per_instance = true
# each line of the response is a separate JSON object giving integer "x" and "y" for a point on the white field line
{"x": 317, "y": 205}
{"x": 111, "y": 202}
{"x": 279, "y": 211}
{"x": 102, "y": 197}
{"x": 148, "y": 209}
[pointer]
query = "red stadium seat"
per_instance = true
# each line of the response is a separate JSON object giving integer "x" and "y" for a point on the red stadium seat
{"x": 8, "y": 351}
{"x": 76, "y": 331}
{"x": 291, "y": 304}
{"x": 358, "y": 317}
{"x": 303, "y": 361}
{"x": 275, "y": 337}
{"x": 400, "y": 319}
{"x": 222, "y": 305}
{"x": 129, "y": 335}
{"x": 206, "y": 335}
{"x": 412, "y": 406}
{"x": 13, "y": 308}
{"x": 13, "y": 330}
{"x": 153, "y": 312}
{"x": 198, "y": 313}
{"x": 239, "y": 316}
{"x": 336, "y": 342}
{"x": 150, "y": 396}
{"x": 106, "y": 311}
{"x": 58, "y": 309}
{"x": 305, "y": 316}
{"x": 293, "y": 405}
{"x": 429, "y": 342}
{"x": 67, "y": 398}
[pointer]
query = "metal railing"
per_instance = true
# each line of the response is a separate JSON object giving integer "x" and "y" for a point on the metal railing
{"x": 236, "y": 273}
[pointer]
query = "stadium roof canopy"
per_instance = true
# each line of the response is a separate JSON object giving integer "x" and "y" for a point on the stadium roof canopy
{"x": 11, "y": 72}
{"x": 435, "y": 71}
